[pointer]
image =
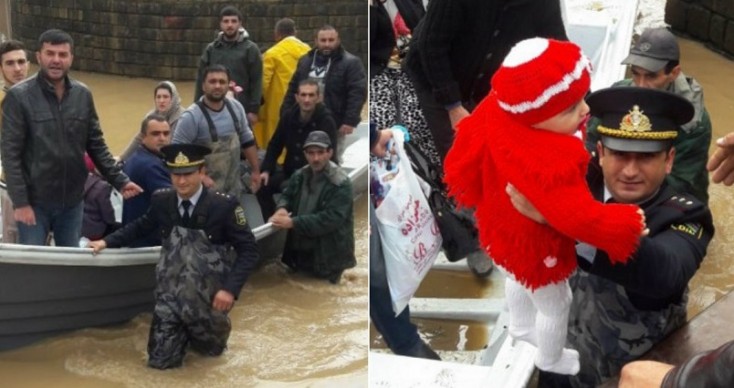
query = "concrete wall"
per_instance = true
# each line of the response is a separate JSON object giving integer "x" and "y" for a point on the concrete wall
{"x": 163, "y": 39}
{"x": 711, "y": 21}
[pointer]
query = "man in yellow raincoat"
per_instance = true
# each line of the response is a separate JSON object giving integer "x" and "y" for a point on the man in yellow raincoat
{"x": 279, "y": 64}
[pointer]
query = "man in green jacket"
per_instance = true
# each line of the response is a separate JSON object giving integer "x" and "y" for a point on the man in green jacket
{"x": 234, "y": 49}
{"x": 654, "y": 63}
{"x": 316, "y": 209}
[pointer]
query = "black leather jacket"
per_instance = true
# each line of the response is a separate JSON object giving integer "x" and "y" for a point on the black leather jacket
{"x": 44, "y": 140}
{"x": 709, "y": 369}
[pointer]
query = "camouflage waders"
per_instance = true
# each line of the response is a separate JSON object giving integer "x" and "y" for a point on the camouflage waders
{"x": 223, "y": 164}
{"x": 608, "y": 331}
{"x": 188, "y": 276}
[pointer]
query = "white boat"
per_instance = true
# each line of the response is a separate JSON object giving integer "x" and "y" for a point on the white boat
{"x": 46, "y": 290}
{"x": 603, "y": 29}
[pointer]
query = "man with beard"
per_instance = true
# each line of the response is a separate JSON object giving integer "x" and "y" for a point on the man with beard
{"x": 49, "y": 121}
{"x": 342, "y": 80}
{"x": 14, "y": 66}
{"x": 306, "y": 116}
{"x": 316, "y": 208}
{"x": 145, "y": 167}
{"x": 234, "y": 50}
{"x": 220, "y": 123}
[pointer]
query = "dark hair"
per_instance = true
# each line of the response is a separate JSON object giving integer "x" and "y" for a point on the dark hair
{"x": 54, "y": 37}
{"x": 12, "y": 45}
{"x": 230, "y": 10}
{"x": 285, "y": 27}
{"x": 309, "y": 81}
{"x": 670, "y": 66}
{"x": 163, "y": 85}
{"x": 215, "y": 69}
{"x": 148, "y": 119}
{"x": 326, "y": 27}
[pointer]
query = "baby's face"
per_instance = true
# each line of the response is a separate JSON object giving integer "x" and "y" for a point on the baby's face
{"x": 568, "y": 121}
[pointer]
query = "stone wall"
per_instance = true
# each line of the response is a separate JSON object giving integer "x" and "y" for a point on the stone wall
{"x": 163, "y": 39}
{"x": 711, "y": 21}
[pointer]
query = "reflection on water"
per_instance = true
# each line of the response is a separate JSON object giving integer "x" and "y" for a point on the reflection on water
{"x": 288, "y": 330}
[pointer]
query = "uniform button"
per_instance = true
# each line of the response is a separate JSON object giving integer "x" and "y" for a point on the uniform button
{"x": 489, "y": 56}
{"x": 480, "y": 76}
{"x": 298, "y": 145}
{"x": 496, "y": 32}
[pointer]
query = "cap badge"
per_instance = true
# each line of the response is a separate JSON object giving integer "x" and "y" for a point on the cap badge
{"x": 645, "y": 47}
{"x": 635, "y": 121}
{"x": 181, "y": 159}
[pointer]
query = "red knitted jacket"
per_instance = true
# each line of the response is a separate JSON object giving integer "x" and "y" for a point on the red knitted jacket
{"x": 491, "y": 150}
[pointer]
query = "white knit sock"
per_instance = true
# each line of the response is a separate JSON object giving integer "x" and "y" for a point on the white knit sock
{"x": 551, "y": 325}
{"x": 522, "y": 312}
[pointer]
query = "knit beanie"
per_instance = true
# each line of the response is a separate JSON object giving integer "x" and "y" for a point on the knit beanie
{"x": 540, "y": 78}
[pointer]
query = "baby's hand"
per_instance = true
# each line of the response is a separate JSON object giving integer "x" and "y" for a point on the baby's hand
{"x": 645, "y": 230}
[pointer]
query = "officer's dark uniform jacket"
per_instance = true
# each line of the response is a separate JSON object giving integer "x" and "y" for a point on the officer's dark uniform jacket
{"x": 619, "y": 312}
{"x": 215, "y": 214}
{"x": 44, "y": 140}
{"x": 681, "y": 228}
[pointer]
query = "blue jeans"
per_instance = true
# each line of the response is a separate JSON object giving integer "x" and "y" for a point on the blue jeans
{"x": 399, "y": 333}
{"x": 65, "y": 222}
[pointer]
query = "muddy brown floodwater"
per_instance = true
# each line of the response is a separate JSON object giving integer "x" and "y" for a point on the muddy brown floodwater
{"x": 288, "y": 330}
{"x": 713, "y": 280}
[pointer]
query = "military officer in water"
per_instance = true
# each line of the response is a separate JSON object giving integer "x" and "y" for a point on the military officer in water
{"x": 208, "y": 252}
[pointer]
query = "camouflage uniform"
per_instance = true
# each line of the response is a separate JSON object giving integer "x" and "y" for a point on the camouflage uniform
{"x": 188, "y": 276}
{"x": 216, "y": 252}
{"x": 619, "y": 312}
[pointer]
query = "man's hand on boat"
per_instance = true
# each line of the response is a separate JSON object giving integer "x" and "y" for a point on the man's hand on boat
{"x": 281, "y": 219}
{"x": 97, "y": 246}
{"x": 130, "y": 190}
{"x": 223, "y": 301}
{"x": 25, "y": 215}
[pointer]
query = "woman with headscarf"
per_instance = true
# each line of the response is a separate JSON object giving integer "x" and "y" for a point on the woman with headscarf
{"x": 168, "y": 104}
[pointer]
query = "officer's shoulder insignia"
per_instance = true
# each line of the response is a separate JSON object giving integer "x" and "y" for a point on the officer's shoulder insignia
{"x": 682, "y": 202}
{"x": 239, "y": 215}
{"x": 223, "y": 194}
{"x": 162, "y": 191}
{"x": 693, "y": 228}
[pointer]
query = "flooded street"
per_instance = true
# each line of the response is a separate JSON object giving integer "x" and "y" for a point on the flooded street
{"x": 288, "y": 330}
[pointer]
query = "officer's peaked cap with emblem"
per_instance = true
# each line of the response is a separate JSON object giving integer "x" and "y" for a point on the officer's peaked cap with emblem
{"x": 184, "y": 158}
{"x": 637, "y": 119}
{"x": 653, "y": 50}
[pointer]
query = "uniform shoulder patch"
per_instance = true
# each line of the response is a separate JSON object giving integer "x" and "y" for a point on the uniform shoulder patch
{"x": 239, "y": 215}
{"x": 693, "y": 228}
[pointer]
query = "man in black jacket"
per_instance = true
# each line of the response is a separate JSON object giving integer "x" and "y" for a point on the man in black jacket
{"x": 207, "y": 254}
{"x": 459, "y": 45}
{"x": 342, "y": 80}
{"x": 49, "y": 121}
{"x": 306, "y": 116}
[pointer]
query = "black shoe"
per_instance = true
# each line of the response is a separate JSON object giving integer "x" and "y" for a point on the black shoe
{"x": 480, "y": 264}
{"x": 422, "y": 350}
{"x": 335, "y": 277}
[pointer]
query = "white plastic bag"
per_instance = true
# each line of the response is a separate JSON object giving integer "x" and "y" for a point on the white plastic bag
{"x": 410, "y": 237}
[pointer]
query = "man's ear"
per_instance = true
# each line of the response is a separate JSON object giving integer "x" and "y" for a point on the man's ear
{"x": 599, "y": 151}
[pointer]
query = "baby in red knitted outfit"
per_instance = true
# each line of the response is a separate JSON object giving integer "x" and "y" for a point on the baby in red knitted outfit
{"x": 522, "y": 134}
